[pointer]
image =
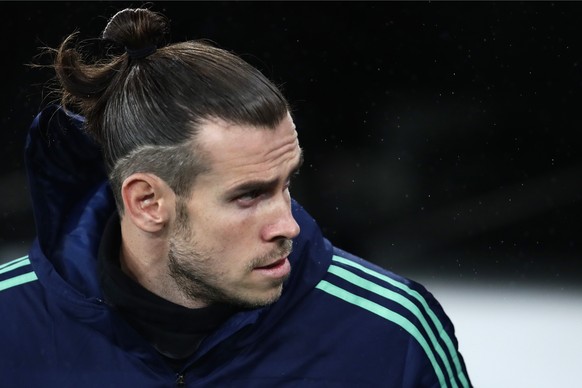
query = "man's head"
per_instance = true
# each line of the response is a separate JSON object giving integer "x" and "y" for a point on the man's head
{"x": 200, "y": 147}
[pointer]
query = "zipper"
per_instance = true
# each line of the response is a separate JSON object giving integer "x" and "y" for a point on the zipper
{"x": 180, "y": 380}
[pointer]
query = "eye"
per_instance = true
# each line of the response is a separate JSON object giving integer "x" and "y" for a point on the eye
{"x": 248, "y": 199}
{"x": 251, "y": 194}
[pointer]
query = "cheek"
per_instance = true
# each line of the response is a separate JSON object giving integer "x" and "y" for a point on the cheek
{"x": 243, "y": 237}
{"x": 229, "y": 229}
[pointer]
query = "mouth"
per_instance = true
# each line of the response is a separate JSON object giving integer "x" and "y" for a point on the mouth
{"x": 277, "y": 269}
{"x": 273, "y": 265}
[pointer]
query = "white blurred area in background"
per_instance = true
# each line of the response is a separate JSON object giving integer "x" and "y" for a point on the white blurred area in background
{"x": 515, "y": 335}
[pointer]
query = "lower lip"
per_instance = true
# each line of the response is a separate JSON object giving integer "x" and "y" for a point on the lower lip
{"x": 279, "y": 270}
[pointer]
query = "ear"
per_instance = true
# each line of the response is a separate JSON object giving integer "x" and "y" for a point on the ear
{"x": 149, "y": 202}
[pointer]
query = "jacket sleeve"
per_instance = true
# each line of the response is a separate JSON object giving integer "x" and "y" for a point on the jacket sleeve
{"x": 436, "y": 361}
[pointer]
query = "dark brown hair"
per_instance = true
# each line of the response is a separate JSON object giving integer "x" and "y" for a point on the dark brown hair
{"x": 145, "y": 105}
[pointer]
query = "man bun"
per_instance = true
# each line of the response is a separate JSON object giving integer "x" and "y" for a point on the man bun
{"x": 140, "y": 31}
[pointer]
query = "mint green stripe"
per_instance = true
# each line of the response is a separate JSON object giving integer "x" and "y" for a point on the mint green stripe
{"x": 403, "y": 301}
{"x": 17, "y": 280}
{"x": 15, "y": 264}
{"x": 442, "y": 332}
{"x": 387, "y": 314}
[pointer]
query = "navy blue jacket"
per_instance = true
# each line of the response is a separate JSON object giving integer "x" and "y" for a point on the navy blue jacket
{"x": 340, "y": 322}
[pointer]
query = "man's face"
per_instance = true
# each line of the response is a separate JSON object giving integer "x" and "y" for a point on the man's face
{"x": 233, "y": 235}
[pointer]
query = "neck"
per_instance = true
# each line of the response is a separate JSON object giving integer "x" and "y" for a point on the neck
{"x": 144, "y": 258}
{"x": 173, "y": 330}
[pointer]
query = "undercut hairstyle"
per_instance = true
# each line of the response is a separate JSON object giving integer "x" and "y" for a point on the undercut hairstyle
{"x": 145, "y": 105}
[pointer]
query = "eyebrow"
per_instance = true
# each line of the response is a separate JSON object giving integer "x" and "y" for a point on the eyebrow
{"x": 261, "y": 185}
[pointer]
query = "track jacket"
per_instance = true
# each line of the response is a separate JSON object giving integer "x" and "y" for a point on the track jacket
{"x": 340, "y": 322}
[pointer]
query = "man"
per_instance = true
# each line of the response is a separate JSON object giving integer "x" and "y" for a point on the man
{"x": 170, "y": 252}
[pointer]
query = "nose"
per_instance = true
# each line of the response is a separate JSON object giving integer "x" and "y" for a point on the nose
{"x": 282, "y": 224}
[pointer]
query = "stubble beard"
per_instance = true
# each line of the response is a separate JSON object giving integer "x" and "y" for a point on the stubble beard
{"x": 189, "y": 267}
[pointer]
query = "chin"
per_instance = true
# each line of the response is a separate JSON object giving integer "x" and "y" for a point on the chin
{"x": 260, "y": 301}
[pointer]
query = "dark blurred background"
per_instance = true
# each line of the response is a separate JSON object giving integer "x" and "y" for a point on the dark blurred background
{"x": 441, "y": 139}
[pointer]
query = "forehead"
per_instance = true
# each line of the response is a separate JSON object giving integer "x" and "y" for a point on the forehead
{"x": 244, "y": 149}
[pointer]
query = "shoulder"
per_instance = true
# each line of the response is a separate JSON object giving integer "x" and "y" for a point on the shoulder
{"x": 16, "y": 274}
{"x": 21, "y": 304}
{"x": 374, "y": 288}
{"x": 392, "y": 309}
